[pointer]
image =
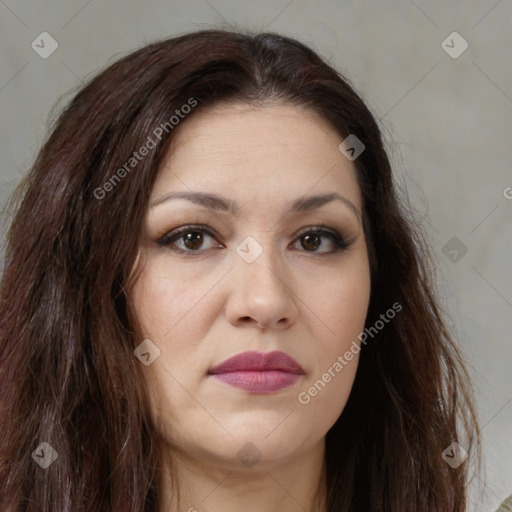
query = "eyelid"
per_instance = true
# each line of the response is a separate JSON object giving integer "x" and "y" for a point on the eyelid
{"x": 174, "y": 233}
{"x": 342, "y": 242}
{"x": 317, "y": 227}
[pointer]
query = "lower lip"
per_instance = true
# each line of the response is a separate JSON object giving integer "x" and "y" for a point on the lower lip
{"x": 259, "y": 381}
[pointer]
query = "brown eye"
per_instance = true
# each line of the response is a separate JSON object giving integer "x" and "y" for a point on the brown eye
{"x": 311, "y": 242}
{"x": 193, "y": 240}
{"x": 188, "y": 239}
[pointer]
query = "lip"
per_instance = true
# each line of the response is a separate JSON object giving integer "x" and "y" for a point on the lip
{"x": 258, "y": 372}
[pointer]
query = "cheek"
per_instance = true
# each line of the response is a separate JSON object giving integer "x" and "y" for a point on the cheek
{"x": 341, "y": 304}
{"x": 168, "y": 303}
{"x": 322, "y": 399}
{"x": 325, "y": 393}
{"x": 168, "y": 307}
{"x": 342, "y": 307}
{"x": 175, "y": 313}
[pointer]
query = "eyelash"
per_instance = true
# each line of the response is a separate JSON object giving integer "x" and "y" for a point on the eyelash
{"x": 168, "y": 239}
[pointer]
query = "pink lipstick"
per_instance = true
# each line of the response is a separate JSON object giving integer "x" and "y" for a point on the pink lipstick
{"x": 258, "y": 372}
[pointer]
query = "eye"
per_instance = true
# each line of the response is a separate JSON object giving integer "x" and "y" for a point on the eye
{"x": 311, "y": 240}
{"x": 191, "y": 239}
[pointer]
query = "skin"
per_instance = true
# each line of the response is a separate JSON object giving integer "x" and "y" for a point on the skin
{"x": 200, "y": 308}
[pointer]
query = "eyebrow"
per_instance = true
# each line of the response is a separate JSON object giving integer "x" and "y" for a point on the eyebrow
{"x": 219, "y": 203}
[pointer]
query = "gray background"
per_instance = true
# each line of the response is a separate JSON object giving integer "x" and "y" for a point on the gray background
{"x": 447, "y": 122}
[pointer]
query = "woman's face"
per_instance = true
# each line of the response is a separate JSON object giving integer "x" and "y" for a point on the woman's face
{"x": 252, "y": 272}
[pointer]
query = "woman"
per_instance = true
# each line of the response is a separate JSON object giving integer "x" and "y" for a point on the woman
{"x": 213, "y": 298}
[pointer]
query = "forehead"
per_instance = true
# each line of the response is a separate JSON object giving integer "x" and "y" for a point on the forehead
{"x": 247, "y": 151}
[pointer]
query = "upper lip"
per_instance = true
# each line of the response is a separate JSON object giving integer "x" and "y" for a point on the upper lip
{"x": 258, "y": 361}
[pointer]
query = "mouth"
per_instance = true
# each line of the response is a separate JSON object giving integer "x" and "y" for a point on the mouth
{"x": 258, "y": 372}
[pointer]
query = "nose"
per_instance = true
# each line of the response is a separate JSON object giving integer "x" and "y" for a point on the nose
{"x": 262, "y": 294}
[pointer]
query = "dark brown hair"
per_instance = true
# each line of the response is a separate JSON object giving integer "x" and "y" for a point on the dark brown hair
{"x": 68, "y": 375}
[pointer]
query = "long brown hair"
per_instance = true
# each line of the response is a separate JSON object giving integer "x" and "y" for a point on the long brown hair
{"x": 68, "y": 375}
